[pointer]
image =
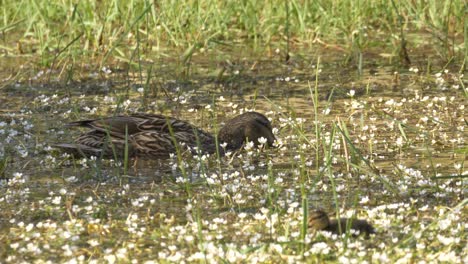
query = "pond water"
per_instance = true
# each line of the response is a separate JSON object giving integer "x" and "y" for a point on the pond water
{"x": 388, "y": 144}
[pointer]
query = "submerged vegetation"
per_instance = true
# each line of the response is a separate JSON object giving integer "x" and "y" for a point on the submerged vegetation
{"x": 367, "y": 101}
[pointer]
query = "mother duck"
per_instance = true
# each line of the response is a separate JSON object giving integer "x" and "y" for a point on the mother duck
{"x": 157, "y": 136}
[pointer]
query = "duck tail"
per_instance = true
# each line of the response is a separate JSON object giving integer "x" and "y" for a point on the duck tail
{"x": 81, "y": 123}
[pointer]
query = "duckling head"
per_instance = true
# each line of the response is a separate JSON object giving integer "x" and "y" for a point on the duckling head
{"x": 318, "y": 220}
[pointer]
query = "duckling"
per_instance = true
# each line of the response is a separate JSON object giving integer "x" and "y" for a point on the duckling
{"x": 319, "y": 220}
{"x": 156, "y": 136}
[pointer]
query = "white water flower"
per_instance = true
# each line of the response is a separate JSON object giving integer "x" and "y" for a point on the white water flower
{"x": 249, "y": 145}
{"x": 364, "y": 200}
{"x": 399, "y": 142}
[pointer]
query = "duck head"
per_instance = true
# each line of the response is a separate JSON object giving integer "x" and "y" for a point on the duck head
{"x": 246, "y": 127}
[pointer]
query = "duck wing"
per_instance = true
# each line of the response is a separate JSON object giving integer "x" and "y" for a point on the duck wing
{"x": 99, "y": 144}
{"x": 135, "y": 123}
{"x": 164, "y": 131}
{"x": 116, "y": 126}
{"x": 147, "y": 135}
{"x": 161, "y": 145}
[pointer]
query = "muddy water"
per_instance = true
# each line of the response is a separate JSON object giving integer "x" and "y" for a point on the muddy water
{"x": 265, "y": 85}
{"x": 396, "y": 120}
